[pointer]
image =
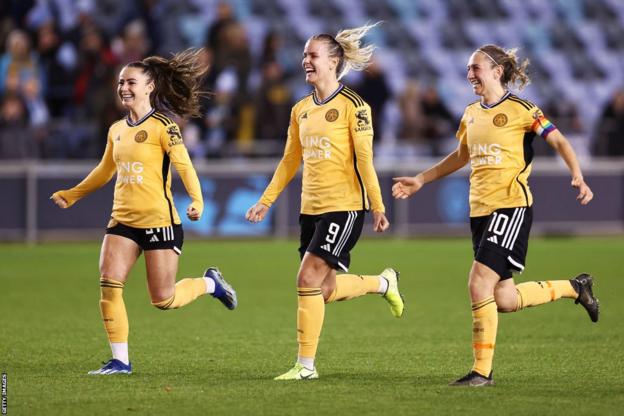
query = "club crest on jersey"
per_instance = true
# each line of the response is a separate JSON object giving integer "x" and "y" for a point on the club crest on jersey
{"x": 174, "y": 135}
{"x": 363, "y": 121}
{"x": 331, "y": 115}
{"x": 500, "y": 120}
{"x": 537, "y": 114}
{"x": 140, "y": 137}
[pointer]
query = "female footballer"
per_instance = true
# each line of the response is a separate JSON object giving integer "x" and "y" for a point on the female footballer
{"x": 331, "y": 132}
{"x": 495, "y": 135}
{"x": 140, "y": 149}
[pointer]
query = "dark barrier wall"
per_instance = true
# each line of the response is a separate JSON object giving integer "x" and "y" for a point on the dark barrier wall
{"x": 440, "y": 208}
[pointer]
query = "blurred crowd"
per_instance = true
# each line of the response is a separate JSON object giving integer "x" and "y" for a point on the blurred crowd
{"x": 59, "y": 61}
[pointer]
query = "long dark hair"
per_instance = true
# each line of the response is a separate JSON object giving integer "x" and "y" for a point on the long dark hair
{"x": 177, "y": 81}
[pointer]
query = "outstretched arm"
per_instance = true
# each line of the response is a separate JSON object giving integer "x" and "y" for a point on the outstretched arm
{"x": 406, "y": 186}
{"x": 558, "y": 142}
{"x": 97, "y": 178}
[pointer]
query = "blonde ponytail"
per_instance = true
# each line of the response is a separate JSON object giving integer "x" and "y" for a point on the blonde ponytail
{"x": 347, "y": 47}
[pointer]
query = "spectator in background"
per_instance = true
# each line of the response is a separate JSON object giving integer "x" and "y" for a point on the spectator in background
{"x": 438, "y": 121}
{"x": 16, "y": 140}
{"x": 229, "y": 47}
{"x": 273, "y": 103}
{"x": 134, "y": 44}
{"x": 608, "y": 140}
{"x": 412, "y": 118}
{"x": 37, "y": 108}
{"x": 58, "y": 62}
{"x": 273, "y": 51}
{"x": 220, "y": 120}
{"x": 225, "y": 16}
{"x": 19, "y": 63}
{"x": 93, "y": 96}
{"x": 375, "y": 91}
{"x": 564, "y": 114}
{"x": 96, "y": 65}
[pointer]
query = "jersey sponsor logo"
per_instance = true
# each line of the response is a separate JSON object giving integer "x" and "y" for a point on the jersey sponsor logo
{"x": 304, "y": 115}
{"x": 363, "y": 121}
{"x": 331, "y": 115}
{"x": 326, "y": 247}
{"x": 141, "y": 136}
{"x": 130, "y": 172}
{"x": 118, "y": 138}
{"x": 175, "y": 137}
{"x": 485, "y": 154}
{"x": 500, "y": 120}
{"x": 154, "y": 239}
{"x": 316, "y": 147}
{"x": 493, "y": 239}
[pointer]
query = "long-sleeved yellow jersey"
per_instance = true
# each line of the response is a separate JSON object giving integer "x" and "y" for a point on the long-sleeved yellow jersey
{"x": 141, "y": 154}
{"x": 334, "y": 139}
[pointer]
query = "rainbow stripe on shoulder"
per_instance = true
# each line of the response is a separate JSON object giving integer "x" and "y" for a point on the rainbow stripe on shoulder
{"x": 542, "y": 126}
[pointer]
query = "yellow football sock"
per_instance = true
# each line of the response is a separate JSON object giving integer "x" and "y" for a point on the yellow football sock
{"x": 484, "y": 327}
{"x": 113, "y": 310}
{"x": 349, "y": 286}
{"x": 186, "y": 291}
{"x": 538, "y": 293}
{"x": 310, "y": 315}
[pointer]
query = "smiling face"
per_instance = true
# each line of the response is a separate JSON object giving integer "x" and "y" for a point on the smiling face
{"x": 134, "y": 88}
{"x": 317, "y": 63}
{"x": 483, "y": 74}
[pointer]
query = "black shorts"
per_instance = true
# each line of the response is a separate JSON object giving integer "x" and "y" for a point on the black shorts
{"x": 501, "y": 240}
{"x": 160, "y": 238}
{"x": 331, "y": 236}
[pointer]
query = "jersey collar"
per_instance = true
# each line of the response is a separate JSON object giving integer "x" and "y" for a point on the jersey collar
{"x": 131, "y": 124}
{"x": 328, "y": 99}
{"x": 504, "y": 97}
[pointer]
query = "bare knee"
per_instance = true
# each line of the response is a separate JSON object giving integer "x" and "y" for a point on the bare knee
{"x": 312, "y": 272}
{"x": 112, "y": 273}
{"x": 308, "y": 277}
{"x": 481, "y": 281}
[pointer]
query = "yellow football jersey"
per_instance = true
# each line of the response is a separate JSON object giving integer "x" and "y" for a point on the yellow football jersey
{"x": 141, "y": 154}
{"x": 499, "y": 139}
{"x": 334, "y": 139}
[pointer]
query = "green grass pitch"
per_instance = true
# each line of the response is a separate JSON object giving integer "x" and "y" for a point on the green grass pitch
{"x": 204, "y": 359}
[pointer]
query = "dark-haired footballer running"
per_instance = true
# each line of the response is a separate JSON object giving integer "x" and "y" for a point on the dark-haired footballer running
{"x": 140, "y": 149}
{"x": 495, "y": 135}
